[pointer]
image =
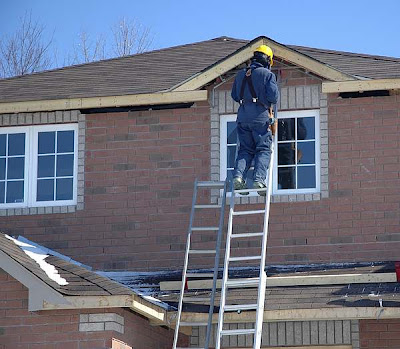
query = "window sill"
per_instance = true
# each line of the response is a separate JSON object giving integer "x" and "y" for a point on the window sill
{"x": 256, "y": 199}
{"x": 26, "y": 211}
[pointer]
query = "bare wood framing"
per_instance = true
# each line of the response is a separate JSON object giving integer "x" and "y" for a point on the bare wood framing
{"x": 360, "y": 85}
{"x": 284, "y": 281}
{"x": 103, "y": 102}
{"x": 350, "y": 313}
{"x": 280, "y": 51}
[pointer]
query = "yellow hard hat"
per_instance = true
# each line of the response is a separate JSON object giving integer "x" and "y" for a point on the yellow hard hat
{"x": 267, "y": 51}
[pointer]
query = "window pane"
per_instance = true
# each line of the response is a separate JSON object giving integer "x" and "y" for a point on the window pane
{"x": 286, "y": 129}
{"x": 230, "y": 176}
{"x": 2, "y": 187}
{"x": 286, "y": 153}
{"x": 3, "y": 139}
{"x": 65, "y": 141}
{"x": 65, "y": 165}
{"x": 15, "y": 168}
{"x": 46, "y": 142}
{"x": 45, "y": 190}
{"x": 231, "y": 133}
{"x": 2, "y": 168}
{"x": 286, "y": 177}
{"x": 231, "y": 156}
{"x": 16, "y": 144}
{"x": 306, "y": 152}
{"x": 15, "y": 192}
{"x": 64, "y": 189}
{"x": 46, "y": 166}
{"x": 306, "y": 177}
{"x": 306, "y": 128}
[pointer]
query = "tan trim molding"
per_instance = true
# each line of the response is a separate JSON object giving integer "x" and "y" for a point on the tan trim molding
{"x": 103, "y": 102}
{"x": 246, "y": 53}
{"x": 284, "y": 281}
{"x": 350, "y": 313}
{"x": 360, "y": 85}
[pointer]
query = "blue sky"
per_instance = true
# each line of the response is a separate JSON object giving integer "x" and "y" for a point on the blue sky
{"x": 362, "y": 26}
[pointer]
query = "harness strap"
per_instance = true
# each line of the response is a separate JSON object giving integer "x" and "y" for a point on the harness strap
{"x": 247, "y": 80}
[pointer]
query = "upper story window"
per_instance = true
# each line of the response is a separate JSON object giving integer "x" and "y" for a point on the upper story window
{"x": 38, "y": 166}
{"x": 297, "y": 152}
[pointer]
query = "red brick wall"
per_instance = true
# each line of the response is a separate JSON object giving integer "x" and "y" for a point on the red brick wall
{"x": 59, "y": 329}
{"x": 382, "y": 334}
{"x": 140, "y": 169}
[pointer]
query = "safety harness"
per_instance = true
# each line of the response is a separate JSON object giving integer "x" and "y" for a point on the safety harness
{"x": 247, "y": 80}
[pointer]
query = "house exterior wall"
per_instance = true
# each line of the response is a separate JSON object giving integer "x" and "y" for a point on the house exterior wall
{"x": 383, "y": 334}
{"x": 140, "y": 168}
{"x": 72, "y": 329}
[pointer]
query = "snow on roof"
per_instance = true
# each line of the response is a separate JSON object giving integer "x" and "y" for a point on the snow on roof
{"x": 39, "y": 255}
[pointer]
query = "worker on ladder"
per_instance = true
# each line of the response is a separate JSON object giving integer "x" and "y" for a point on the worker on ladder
{"x": 256, "y": 90}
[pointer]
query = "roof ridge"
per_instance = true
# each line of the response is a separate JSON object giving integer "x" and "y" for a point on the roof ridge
{"x": 329, "y": 51}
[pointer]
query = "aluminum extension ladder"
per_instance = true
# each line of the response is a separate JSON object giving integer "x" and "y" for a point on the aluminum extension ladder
{"x": 259, "y": 282}
{"x": 187, "y": 274}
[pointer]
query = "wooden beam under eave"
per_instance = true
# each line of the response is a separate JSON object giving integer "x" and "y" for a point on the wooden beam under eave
{"x": 306, "y": 62}
{"x": 344, "y": 313}
{"x": 104, "y": 102}
{"x": 361, "y": 85}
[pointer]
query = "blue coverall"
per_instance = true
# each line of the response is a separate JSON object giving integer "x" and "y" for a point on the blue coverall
{"x": 253, "y": 122}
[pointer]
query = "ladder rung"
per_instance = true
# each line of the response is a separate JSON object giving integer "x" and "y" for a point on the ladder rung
{"x": 211, "y": 184}
{"x": 247, "y": 258}
{"x": 202, "y": 252}
{"x": 199, "y": 275}
{"x": 208, "y": 206}
{"x": 240, "y": 213}
{"x": 193, "y": 323}
{"x": 195, "y": 299}
{"x": 189, "y": 348}
{"x": 246, "y": 235}
{"x": 239, "y": 331}
{"x": 238, "y": 307}
{"x": 250, "y": 190}
{"x": 242, "y": 282}
{"x": 205, "y": 228}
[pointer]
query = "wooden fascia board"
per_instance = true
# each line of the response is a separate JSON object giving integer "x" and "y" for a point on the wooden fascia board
{"x": 349, "y": 313}
{"x": 305, "y": 62}
{"x": 285, "y": 281}
{"x": 139, "y": 305}
{"x": 361, "y": 85}
{"x": 39, "y": 291}
{"x": 104, "y": 102}
{"x": 213, "y": 72}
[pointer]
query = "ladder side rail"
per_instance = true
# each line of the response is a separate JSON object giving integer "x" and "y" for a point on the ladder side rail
{"x": 263, "y": 276}
{"x": 178, "y": 318}
{"x": 216, "y": 265}
{"x": 226, "y": 270}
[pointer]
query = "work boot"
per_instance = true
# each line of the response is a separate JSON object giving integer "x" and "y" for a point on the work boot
{"x": 239, "y": 184}
{"x": 259, "y": 185}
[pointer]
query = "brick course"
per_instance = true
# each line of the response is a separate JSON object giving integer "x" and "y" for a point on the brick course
{"x": 382, "y": 334}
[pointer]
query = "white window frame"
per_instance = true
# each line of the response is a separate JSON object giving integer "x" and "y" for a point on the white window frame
{"x": 300, "y": 114}
{"x": 224, "y": 119}
{"x": 31, "y": 163}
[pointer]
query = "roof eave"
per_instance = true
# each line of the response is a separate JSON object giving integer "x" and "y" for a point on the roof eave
{"x": 361, "y": 85}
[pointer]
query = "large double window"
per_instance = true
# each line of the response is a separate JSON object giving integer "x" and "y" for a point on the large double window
{"x": 38, "y": 166}
{"x": 297, "y": 152}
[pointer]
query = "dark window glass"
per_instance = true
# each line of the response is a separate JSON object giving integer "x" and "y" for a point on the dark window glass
{"x": 230, "y": 175}
{"x": 231, "y": 156}
{"x": 286, "y": 153}
{"x": 15, "y": 192}
{"x": 231, "y": 133}
{"x": 286, "y": 129}
{"x": 306, "y": 128}
{"x": 64, "y": 190}
{"x": 306, "y": 177}
{"x": 306, "y": 152}
{"x": 46, "y": 166}
{"x": 15, "y": 168}
{"x": 2, "y": 192}
{"x": 287, "y": 178}
{"x": 16, "y": 144}
{"x": 3, "y": 140}
{"x": 45, "y": 190}
{"x": 65, "y": 141}
{"x": 65, "y": 165}
{"x": 2, "y": 168}
{"x": 46, "y": 142}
